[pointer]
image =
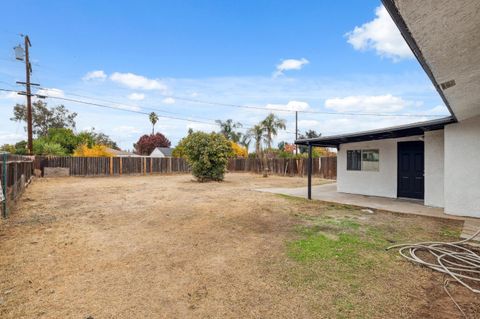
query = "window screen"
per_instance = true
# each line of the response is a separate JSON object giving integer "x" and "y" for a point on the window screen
{"x": 354, "y": 160}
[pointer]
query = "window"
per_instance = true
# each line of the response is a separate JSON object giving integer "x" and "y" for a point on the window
{"x": 363, "y": 160}
{"x": 353, "y": 160}
{"x": 370, "y": 160}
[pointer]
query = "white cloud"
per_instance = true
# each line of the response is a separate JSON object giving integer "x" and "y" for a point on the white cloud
{"x": 365, "y": 103}
{"x": 12, "y": 96}
{"x": 168, "y": 100}
{"x": 126, "y": 130}
{"x": 438, "y": 110}
{"x": 136, "y": 96}
{"x": 135, "y": 81}
{"x": 290, "y": 106}
{"x": 95, "y": 75}
{"x": 53, "y": 92}
{"x": 10, "y": 138}
{"x": 308, "y": 124}
{"x": 290, "y": 64}
{"x": 382, "y": 35}
{"x": 202, "y": 127}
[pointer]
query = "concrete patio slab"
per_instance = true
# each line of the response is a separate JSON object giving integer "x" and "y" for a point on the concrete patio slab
{"x": 328, "y": 193}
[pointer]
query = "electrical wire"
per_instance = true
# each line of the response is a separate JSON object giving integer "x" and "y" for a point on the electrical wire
{"x": 198, "y": 120}
{"x": 270, "y": 109}
{"x": 457, "y": 262}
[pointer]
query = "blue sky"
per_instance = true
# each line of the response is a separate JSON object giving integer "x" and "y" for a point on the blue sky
{"x": 340, "y": 57}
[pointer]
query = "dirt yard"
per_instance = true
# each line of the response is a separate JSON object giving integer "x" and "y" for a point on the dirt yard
{"x": 168, "y": 247}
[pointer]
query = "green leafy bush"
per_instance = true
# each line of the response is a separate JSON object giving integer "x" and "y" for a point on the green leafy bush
{"x": 207, "y": 155}
{"x": 42, "y": 147}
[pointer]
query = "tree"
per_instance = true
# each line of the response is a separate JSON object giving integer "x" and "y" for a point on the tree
{"x": 94, "y": 151}
{"x": 238, "y": 150}
{"x": 21, "y": 148}
{"x": 91, "y": 138}
{"x": 257, "y": 133}
{"x": 271, "y": 124}
{"x": 245, "y": 141}
{"x": 153, "y": 119}
{"x": 65, "y": 137}
{"x": 207, "y": 154}
{"x": 308, "y": 134}
{"x": 44, "y": 118}
{"x": 227, "y": 129}
{"x": 9, "y": 148}
{"x": 147, "y": 143}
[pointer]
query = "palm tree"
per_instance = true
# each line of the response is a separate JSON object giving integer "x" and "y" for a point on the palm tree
{"x": 271, "y": 124}
{"x": 246, "y": 140}
{"x": 154, "y": 119}
{"x": 256, "y": 132}
{"x": 227, "y": 129}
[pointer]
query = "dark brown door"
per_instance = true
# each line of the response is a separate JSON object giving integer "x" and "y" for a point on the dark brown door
{"x": 411, "y": 169}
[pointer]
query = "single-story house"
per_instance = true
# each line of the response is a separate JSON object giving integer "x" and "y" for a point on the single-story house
{"x": 436, "y": 161}
{"x": 162, "y": 152}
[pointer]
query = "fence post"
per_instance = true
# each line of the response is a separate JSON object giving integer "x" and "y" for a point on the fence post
{"x": 120, "y": 167}
{"x": 4, "y": 188}
{"x": 144, "y": 166}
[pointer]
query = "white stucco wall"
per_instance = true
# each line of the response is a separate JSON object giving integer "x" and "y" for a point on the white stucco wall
{"x": 375, "y": 183}
{"x": 434, "y": 168}
{"x": 462, "y": 168}
{"x": 157, "y": 153}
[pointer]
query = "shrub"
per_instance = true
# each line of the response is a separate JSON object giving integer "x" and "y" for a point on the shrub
{"x": 94, "y": 151}
{"x": 42, "y": 147}
{"x": 207, "y": 155}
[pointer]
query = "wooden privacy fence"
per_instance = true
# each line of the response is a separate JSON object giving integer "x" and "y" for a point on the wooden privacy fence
{"x": 105, "y": 166}
{"x": 15, "y": 172}
{"x": 324, "y": 167}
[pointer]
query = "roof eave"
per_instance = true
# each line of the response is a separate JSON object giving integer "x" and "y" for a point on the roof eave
{"x": 379, "y": 134}
{"x": 402, "y": 26}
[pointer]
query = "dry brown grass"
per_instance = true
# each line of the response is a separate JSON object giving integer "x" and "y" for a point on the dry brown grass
{"x": 168, "y": 247}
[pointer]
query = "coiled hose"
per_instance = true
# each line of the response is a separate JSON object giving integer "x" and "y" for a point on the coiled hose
{"x": 457, "y": 262}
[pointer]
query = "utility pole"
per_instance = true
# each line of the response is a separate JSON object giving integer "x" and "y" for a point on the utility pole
{"x": 296, "y": 131}
{"x": 28, "y": 92}
{"x": 28, "y": 70}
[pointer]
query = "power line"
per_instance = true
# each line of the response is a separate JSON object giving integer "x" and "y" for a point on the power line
{"x": 270, "y": 109}
{"x": 143, "y": 107}
{"x": 293, "y": 111}
{"x": 126, "y": 110}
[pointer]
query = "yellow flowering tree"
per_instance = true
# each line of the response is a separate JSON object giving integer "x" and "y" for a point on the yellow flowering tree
{"x": 238, "y": 150}
{"x": 94, "y": 151}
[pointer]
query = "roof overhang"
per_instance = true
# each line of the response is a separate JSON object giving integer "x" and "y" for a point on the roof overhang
{"x": 444, "y": 36}
{"x": 392, "y": 132}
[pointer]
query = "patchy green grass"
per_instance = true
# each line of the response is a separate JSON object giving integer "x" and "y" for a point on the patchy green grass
{"x": 450, "y": 233}
{"x": 353, "y": 252}
{"x": 338, "y": 254}
{"x": 342, "y": 240}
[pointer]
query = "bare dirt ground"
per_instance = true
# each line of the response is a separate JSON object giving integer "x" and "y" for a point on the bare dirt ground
{"x": 169, "y": 247}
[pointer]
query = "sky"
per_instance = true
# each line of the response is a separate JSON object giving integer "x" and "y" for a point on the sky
{"x": 187, "y": 60}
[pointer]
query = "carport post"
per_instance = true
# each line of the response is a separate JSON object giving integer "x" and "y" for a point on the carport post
{"x": 309, "y": 171}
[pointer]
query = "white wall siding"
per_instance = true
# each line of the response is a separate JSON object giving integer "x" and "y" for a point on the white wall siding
{"x": 434, "y": 168}
{"x": 157, "y": 153}
{"x": 462, "y": 168}
{"x": 374, "y": 183}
